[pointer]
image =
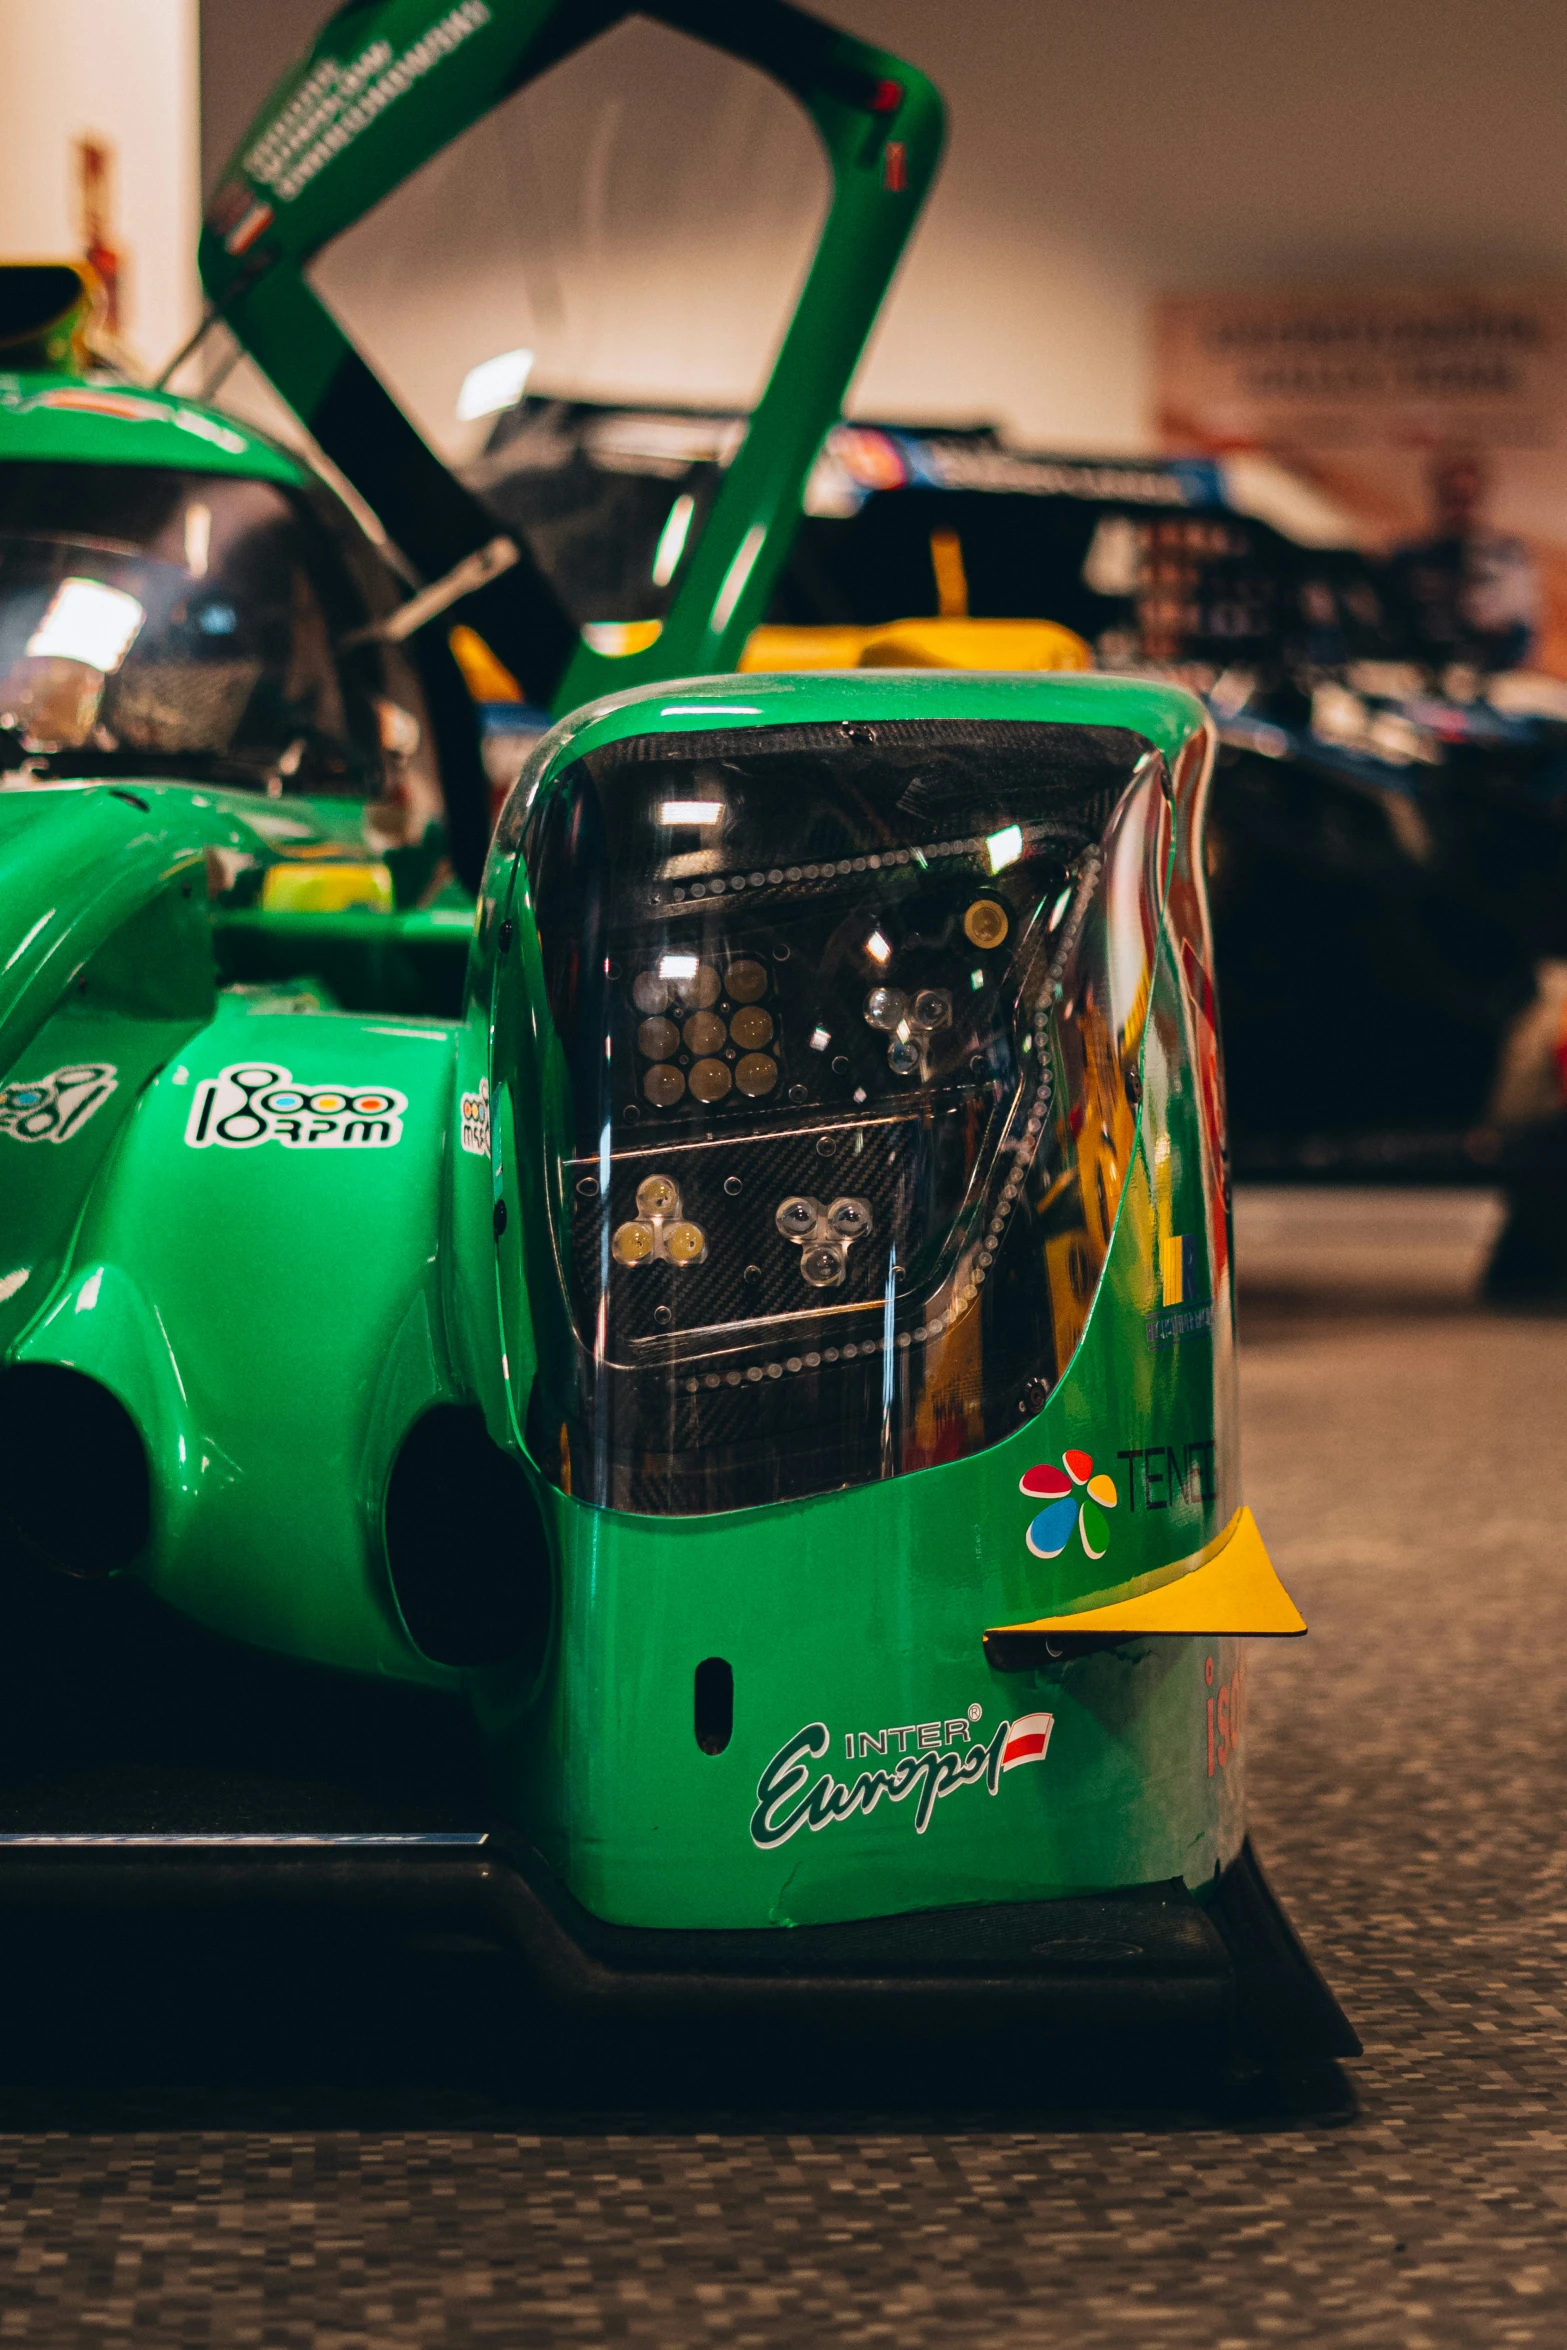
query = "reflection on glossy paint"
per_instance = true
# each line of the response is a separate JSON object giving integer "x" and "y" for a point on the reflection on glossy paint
{"x": 672, "y": 540}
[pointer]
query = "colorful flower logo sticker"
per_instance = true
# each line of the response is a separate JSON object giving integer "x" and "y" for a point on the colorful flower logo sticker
{"x": 1073, "y": 1496}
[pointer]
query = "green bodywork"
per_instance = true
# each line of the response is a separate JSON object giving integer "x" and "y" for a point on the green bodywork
{"x": 62, "y": 419}
{"x": 276, "y": 1320}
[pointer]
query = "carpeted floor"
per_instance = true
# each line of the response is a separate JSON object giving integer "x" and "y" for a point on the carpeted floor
{"x": 1408, "y": 1462}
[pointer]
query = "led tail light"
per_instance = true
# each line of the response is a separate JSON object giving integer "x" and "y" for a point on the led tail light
{"x": 845, "y": 1027}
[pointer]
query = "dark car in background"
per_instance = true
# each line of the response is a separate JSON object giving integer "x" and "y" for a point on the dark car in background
{"x": 1389, "y": 827}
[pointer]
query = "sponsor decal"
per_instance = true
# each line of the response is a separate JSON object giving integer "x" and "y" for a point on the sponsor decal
{"x": 254, "y": 1102}
{"x": 873, "y": 460}
{"x": 968, "y": 466}
{"x": 92, "y": 402}
{"x": 53, "y": 1108}
{"x": 476, "y": 1120}
{"x": 944, "y": 1756}
{"x": 126, "y": 410}
{"x": 1075, "y": 1498}
{"x": 1164, "y": 1328}
{"x": 256, "y": 221}
{"x": 1161, "y": 1476}
{"x": 336, "y": 102}
{"x": 238, "y": 217}
{"x": 1183, "y": 1307}
{"x": 1224, "y": 1718}
{"x": 925, "y": 1734}
{"x": 1180, "y": 1269}
{"x": 886, "y": 460}
{"x": 229, "y": 207}
{"x": 207, "y": 428}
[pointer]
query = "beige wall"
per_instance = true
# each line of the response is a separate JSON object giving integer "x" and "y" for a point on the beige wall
{"x": 126, "y": 71}
{"x": 1105, "y": 150}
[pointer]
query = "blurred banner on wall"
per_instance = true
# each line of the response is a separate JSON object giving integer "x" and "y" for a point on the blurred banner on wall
{"x": 1433, "y": 418}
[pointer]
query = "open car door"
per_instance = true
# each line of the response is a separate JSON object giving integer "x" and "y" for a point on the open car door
{"x": 386, "y": 172}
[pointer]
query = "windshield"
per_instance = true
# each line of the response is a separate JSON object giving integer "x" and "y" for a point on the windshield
{"x": 196, "y": 622}
{"x": 845, "y": 1014}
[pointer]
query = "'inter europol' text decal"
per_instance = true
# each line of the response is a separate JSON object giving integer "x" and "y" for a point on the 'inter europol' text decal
{"x": 252, "y": 1102}
{"x": 952, "y": 1756}
{"x": 53, "y": 1108}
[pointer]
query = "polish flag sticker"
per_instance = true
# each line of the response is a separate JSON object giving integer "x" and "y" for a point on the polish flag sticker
{"x": 1028, "y": 1740}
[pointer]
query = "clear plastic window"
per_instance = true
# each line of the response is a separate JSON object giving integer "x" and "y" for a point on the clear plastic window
{"x": 194, "y": 623}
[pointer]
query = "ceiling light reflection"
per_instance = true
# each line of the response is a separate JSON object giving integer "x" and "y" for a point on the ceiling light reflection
{"x": 88, "y": 622}
{"x": 494, "y": 384}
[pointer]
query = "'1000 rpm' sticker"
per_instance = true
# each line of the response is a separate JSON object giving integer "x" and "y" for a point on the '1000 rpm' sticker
{"x": 252, "y": 1102}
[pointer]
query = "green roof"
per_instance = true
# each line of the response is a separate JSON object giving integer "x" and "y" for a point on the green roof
{"x": 66, "y": 419}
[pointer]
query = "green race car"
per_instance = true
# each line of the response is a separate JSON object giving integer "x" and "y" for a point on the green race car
{"x": 718, "y": 1448}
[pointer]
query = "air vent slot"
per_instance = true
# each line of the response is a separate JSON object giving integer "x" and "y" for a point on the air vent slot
{"x": 715, "y": 1704}
{"x": 75, "y": 1494}
{"x": 466, "y": 1545}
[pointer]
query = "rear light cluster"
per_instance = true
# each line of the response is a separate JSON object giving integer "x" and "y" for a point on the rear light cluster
{"x": 847, "y": 1019}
